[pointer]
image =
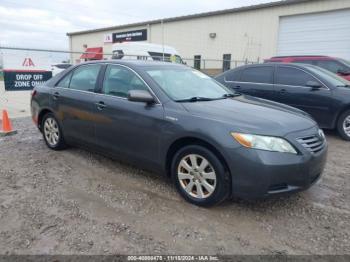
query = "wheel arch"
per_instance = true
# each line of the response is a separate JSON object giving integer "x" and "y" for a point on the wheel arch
{"x": 342, "y": 111}
{"x": 42, "y": 113}
{"x": 186, "y": 141}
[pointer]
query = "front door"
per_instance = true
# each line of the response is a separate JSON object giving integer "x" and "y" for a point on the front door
{"x": 128, "y": 129}
{"x": 73, "y": 101}
{"x": 291, "y": 88}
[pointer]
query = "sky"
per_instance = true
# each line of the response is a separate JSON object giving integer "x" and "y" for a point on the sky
{"x": 44, "y": 23}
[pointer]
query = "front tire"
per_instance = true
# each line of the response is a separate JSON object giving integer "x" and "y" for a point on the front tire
{"x": 52, "y": 132}
{"x": 199, "y": 176}
{"x": 343, "y": 125}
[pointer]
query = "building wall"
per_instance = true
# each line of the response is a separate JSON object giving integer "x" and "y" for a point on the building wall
{"x": 248, "y": 35}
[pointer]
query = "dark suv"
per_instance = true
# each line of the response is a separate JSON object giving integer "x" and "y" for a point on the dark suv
{"x": 337, "y": 66}
{"x": 322, "y": 94}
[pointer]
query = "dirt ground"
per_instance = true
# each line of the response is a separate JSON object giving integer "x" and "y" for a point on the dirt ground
{"x": 77, "y": 202}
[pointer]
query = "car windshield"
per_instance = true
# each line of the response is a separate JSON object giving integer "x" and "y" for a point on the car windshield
{"x": 332, "y": 78}
{"x": 188, "y": 84}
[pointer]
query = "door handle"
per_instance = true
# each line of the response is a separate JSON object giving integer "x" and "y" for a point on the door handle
{"x": 55, "y": 95}
{"x": 100, "y": 105}
{"x": 283, "y": 91}
{"x": 237, "y": 87}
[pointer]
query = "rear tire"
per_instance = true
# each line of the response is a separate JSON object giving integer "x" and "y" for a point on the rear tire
{"x": 199, "y": 176}
{"x": 343, "y": 125}
{"x": 52, "y": 132}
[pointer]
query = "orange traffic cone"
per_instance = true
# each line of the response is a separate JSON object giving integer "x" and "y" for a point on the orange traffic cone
{"x": 6, "y": 125}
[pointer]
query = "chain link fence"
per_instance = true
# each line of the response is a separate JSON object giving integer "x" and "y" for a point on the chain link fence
{"x": 30, "y": 60}
{"x": 23, "y": 68}
{"x": 47, "y": 59}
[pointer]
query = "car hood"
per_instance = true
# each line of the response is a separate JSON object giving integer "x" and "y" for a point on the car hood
{"x": 252, "y": 115}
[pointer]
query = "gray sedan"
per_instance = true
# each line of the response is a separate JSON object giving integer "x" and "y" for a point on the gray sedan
{"x": 172, "y": 119}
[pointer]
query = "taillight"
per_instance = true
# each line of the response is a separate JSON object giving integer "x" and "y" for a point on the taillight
{"x": 33, "y": 92}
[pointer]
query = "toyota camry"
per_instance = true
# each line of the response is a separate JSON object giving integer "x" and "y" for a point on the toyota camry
{"x": 212, "y": 142}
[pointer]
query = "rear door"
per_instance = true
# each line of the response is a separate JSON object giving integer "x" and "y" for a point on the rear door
{"x": 256, "y": 81}
{"x": 291, "y": 89}
{"x": 73, "y": 100}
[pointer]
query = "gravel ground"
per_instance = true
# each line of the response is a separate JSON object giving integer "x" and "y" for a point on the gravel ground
{"x": 77, "y": 202}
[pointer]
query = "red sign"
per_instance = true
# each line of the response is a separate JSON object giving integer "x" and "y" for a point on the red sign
{"x": 28, "y": 62}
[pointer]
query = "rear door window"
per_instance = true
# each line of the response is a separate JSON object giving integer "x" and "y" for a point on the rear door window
{"x": 292, "y": 76}
{"x": 65, "y": 81}
{"x": 261, "y": 74}
{"x": 85, "y": 77}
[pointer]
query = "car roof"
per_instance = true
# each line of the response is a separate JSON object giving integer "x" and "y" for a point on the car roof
{"x": 287, "y": 56}
{"x": 300, "y": 57}
{"x": 136, "y": 63}
{"x": 298, "y": 65}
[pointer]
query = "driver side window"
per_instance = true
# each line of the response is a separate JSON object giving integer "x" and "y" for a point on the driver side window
{"x": 120, "y": 80}
{"x": 292, "y": 77}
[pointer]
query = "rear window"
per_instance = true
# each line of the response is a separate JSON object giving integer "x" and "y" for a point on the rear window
{"x": 257, "y": 75}
{"x": 65, "y": 81}
{"x": 84, "y": 78}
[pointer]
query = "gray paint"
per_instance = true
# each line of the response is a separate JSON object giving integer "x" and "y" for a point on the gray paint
{"x": 142, "y": 134}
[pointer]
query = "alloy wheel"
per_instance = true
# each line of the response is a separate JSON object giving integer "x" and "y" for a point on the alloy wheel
{"x": 346, "y": 125}
{"x": 51, "y": 131}
{"x": 196, "y": 176}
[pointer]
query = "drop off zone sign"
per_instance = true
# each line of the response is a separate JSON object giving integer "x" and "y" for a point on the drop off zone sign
{"x": 24, "y": 71}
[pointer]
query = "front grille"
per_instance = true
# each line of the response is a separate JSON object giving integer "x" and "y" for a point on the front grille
{"x": 314, "y": 144}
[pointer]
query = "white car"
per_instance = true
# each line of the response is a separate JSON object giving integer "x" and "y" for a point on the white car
{"x": 146, "y": 51}
{"x": 58, "y": 68}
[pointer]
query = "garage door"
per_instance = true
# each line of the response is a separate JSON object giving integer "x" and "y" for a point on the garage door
{"x": 315, "y": 34}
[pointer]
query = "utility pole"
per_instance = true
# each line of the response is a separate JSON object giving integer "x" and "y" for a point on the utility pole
{"x": 162, "y": 24}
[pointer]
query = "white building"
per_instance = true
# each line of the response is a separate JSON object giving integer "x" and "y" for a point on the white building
{"x": 291, "y": 27}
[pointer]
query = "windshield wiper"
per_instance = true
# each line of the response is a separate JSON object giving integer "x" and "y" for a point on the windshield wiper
{"x": 343, "y": 85}
{"x": 195, "y": 99}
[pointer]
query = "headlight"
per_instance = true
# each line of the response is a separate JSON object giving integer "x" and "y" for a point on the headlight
{"x": 268, "y": 143}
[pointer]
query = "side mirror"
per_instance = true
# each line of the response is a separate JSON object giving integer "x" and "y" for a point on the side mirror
{"x": 343, "y": 72}
{"x": 314, "y": 85}
{"x": 140, "y": 96}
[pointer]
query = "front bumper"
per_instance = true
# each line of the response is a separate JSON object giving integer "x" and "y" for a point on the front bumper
{"x": 260, "y": 174}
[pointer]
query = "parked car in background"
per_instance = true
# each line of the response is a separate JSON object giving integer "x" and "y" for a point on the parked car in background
{"x": 173, "y": 119}
{"x": 322, "y": 94}
{"x": 58, "y": 68}
{"x": 145, "y": 51}
{"x": 337, "y": 66}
